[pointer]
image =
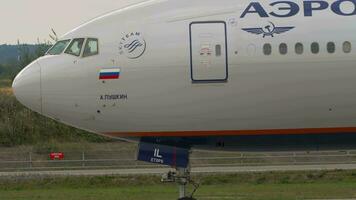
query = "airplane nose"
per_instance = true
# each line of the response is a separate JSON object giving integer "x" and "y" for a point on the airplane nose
{"x": 27, "y": 87}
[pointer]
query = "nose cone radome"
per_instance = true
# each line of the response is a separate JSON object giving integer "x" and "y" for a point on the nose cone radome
{"x": 27, "y": 87}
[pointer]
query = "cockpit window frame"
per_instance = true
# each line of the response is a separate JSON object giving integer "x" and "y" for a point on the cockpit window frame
{"x": 85, "y": 44}
{"x": 69, "y": 41}
{"x": 70, "y": 44}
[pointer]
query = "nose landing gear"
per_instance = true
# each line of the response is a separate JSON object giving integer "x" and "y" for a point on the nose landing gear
{"x": 171, "y": 156}
{"x": 182, "y": 177}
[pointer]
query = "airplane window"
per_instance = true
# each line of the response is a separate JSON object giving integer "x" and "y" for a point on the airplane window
{"x": 75, "y": 47}
{"x": 299, "y": 48}
{"x": 91, "y": 47}
{"x": 283, "y": 49}
{"x": 267, "y": 49}
{"x": 331, "y": 47}
{"x": 58, "y": 48}
{"x": 218, "y": 50}
{"x": 315, "y": 47}
{"x": 347, "y": 47}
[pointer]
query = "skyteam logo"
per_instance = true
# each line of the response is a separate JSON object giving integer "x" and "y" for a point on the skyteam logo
{"x": 132, "y": 45}
{"x": 269, "y": 30}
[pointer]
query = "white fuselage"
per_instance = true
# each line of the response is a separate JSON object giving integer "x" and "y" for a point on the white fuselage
{"x": 156, "y": 92}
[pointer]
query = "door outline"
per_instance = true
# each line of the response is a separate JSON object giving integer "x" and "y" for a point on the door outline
{"x": 191, "y": 53}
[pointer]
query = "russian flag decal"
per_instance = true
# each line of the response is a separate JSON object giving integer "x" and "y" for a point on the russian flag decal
{"x": 113, "y": 73}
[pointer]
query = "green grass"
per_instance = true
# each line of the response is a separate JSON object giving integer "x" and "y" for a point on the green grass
{"x": 243, "y": 191}
{"x": 5, "y": 83}
{"x": 249, "y": 186}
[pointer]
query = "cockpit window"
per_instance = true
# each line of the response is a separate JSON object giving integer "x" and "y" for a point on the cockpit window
{"x": 91, "y": 47}
{"x": 58, "y": 48}
{"x": 75, "y": 47}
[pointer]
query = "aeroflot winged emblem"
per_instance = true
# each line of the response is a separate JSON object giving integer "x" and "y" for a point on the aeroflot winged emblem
{"x": 268, "y": 30}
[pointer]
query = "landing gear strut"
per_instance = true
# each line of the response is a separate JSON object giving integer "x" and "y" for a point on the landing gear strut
{"x": 182, "y": 177}
{"x": 171, "y": 156}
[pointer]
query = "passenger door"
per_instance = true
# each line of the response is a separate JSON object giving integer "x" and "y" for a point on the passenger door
{"x": 208, "y": 52}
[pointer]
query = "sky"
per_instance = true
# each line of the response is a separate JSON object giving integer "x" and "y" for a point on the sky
{"x": 27, "y": 20}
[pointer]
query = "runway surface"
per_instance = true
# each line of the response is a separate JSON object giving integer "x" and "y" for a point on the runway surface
{"x": 158, "y": 171}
